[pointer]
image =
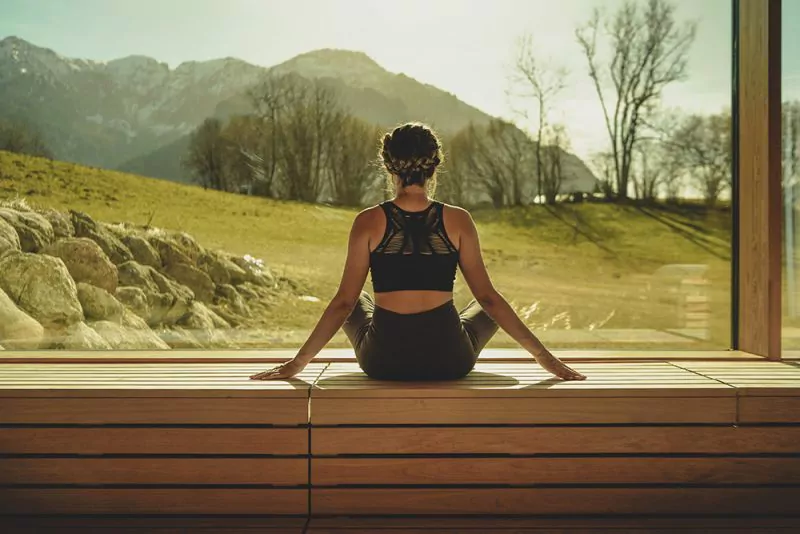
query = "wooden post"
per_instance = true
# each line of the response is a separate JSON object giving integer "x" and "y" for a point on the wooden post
{"x": 759, "y": 177}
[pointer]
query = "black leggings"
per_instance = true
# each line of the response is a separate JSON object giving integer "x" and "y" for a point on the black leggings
{"x": 438, "y": 344}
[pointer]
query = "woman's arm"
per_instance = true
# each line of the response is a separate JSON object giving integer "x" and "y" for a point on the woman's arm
{"x": 355, "y": 273}
{"x": 477, "y": 278}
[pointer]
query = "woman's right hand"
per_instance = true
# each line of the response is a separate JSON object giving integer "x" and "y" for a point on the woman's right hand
{"x": 557, "y": 367}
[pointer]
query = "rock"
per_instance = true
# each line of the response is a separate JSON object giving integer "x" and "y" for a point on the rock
{"x": 233, "y": 299}
{"x": 193, "y": 278}
{"x": 18, "y": 330}
{"x": 189, "y": 246}
{"x": 168, "y": 300}
{"x": 221, "y": 269}
{"x": 179, "y": 338}
{"x": 135, "y": 274}
{"x": 86, "y": 262}
{"x": 170, "y": 252}
{"x": 9, "y": 238}
{"x": 136, "y": 300}
{"x": 85, "y": 226}
{"x": 62, "y": 226}
{"x": 255, "y": 270}
{"x": 248, "y": 290}
{"x": 81, "y": 337}
{"x": 143, "y": 252}
{"x": 41, "y": 286}
{"x": 200, "y": 318}
{"x": 121, "y": 337}
{"x": 227, "y": 315}
{"x": 33, "y": 230}
{"x": 98, "y": 304}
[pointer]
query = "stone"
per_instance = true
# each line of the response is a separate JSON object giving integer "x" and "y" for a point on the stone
{"x": 82, "y": 337}
{"x": 62, "y": 226}
{"x": 143, "y": 252}
{"x": 9, "y": 238}
{"x": 190, "y": 276}
{"x": 85, "y": 226}
{"x": 86, "y": 262}
{"x": 18, "y": 330}
{"x": 232, "y": 298}
{"x": 221, "y": 269}
{"x": 201, "y": 317}
{"x": 255, "y": 270}
{"x": 135, "y": 274}
{"x": 33, "y": 230}
{"x": 120, "y": 337}
{"x": 41, "y": 286}
{"x": 136, "y": 300}
{"x": 98, "y": 304}
{"x": 179, "y": 338}
{"x": 170, "y": 252}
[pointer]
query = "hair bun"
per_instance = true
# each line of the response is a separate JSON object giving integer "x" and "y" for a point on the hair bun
{"x": 412, "y": 152}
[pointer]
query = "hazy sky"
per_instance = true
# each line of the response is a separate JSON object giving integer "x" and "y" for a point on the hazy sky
{"x": 463, "y": 46}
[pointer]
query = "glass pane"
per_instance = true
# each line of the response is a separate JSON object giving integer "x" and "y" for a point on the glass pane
{"x": 790, "y": 90}
{"x": 184, "y": 174}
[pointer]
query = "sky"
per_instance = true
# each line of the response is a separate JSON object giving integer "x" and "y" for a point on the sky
{"x": 466, "y": 47}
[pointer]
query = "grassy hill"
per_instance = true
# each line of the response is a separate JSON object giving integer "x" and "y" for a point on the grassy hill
{"x": 580, "y": 267}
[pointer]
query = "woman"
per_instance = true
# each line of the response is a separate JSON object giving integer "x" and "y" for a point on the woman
{"x": 412, "y": 246}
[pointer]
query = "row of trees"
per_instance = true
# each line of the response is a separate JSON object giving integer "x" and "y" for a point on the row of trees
{"x": 22, "y": 138}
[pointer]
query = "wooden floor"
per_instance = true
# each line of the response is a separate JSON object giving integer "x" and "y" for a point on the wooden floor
{"x": 639, "y": 441}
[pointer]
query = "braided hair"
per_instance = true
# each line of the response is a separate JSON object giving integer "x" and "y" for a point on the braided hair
{"x": 412, "y": 152}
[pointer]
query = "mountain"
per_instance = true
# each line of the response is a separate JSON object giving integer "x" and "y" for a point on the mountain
{"x": 135, "y": 113}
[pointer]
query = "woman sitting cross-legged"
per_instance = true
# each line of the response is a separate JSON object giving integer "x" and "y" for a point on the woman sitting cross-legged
{"x": 413, "y": 245}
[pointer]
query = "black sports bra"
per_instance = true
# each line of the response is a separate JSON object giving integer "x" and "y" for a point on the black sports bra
{"x": 415, "y": 252}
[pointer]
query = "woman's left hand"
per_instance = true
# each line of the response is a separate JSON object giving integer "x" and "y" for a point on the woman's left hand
{"x": 282, "y": 371}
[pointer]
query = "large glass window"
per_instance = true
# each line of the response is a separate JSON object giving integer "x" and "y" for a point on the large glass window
{"x": 184, "y": 174}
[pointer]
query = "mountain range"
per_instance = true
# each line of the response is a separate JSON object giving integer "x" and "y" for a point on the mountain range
{"x": 136, "y": 113}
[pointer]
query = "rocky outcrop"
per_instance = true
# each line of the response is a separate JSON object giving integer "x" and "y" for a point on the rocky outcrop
{"x": 86, "y": 262}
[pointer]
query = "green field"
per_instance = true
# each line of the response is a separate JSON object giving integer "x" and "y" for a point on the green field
{"x": 572, "y": 268}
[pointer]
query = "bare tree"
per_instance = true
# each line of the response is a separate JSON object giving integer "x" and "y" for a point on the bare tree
{"x": 553, "y": 153}
{"x": 540, "y": 82}
{"x": 352, "y": 160}
{"x": 603, "y": 162}
{"x": 205, "y": 158}
{"x": 649, "y": 51}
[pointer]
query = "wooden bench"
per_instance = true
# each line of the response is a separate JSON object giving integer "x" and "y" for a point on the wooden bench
{"x": 152, "y": 439}
{"x": 636, "y": 438}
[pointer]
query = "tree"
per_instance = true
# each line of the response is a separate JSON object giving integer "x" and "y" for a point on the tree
{"x": 705, "y": 145}
{"x": 553, "y": 162}
{"x": 206, "y": 155}
{"x": 649, "y": 51}
{"x": 22, "y": 138}
{"x": 541, "y": 82}
{"x": 352, "y": 160}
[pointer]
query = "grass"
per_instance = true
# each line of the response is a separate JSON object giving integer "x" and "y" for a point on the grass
{"x": 575, "y": 266}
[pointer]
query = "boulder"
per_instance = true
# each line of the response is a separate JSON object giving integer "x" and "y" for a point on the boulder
{"x": 228, "y": 295}
{"x": 98, "y": 304}
{"x": 168, "y": 300}
{"x": 42, "y": 287}
{"x": 221, "y": 269}
{"x": 190, "y": 276}
{"x": 18, "y": 330}
{"x": 85, "y": 226}
{"x": 136, "y": 300}
{"x": 179, "y": 338}
{"x": 143, "y": 252}
{"x": 86, "y": 262}
{"x": 9, "y": 238}
{"x": 121, "y": 337}
{"x": 170, "y": 252}
{"x": 255, "y": 270}
{"x": 200, "y": 317}
{"x": 33, "y": 230}
{"x": 189, "y": 246}
{"x": 82, "y": 337}
{"x": 135, "y": 274}
{"x": 62, "y": 226}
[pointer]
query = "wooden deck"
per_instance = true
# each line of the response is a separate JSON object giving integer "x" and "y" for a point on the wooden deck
{"x": 654, "y": 439}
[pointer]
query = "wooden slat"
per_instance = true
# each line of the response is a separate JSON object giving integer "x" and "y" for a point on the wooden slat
{"x": 523, "y": 410}
{"x": 531, "y": 471}
{"x": 160, "y": 525}
{"x": 556, "y": 501}
{"x": 55, "y": 471}
{"x": 528, "y": 380}
{"x": 752, "y": 378}
{"x": 759, "y": 183}
{"x": 199, "y": 501}
{"x": 119, "y": 410}
{"x": 331, "y": 355}
{"x": 555, "y": 440}
{"x": 161, "y": 440}
{"x": 757, "y": 409}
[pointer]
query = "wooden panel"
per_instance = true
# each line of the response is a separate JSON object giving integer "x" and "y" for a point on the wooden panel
{"x": 529, "y": 380}
{"x": 291, "y": 411}
{"x": 161, "y": 525}
{"x": 769, "y": 409}
{"x": 566, "y": 501}
{"x": 759, "y": 188}
{"x": 752, "y": 378}
{"x": 273, "y": 471}
{"x": 554, "y": 440}
{"x": 530, "y": 471}
{"x": 105, "y": 440}
{"x": 523, "y": 410}
{"x": 328, "y": 355}
{"x": 148, "y": 380}
{"x": 228, "y": 501}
